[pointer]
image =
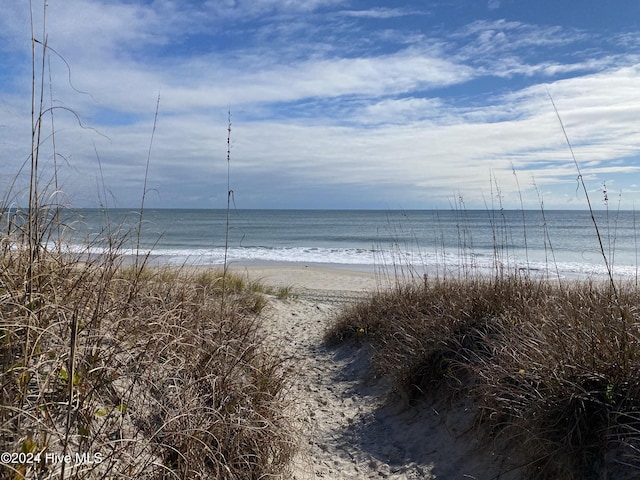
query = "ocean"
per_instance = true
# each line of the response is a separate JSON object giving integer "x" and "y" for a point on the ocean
{"x": 451, "y": 242}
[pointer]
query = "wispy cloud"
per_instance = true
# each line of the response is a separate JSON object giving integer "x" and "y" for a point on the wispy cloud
{"x": 325, "y": 95}
{"x": 380, "y": 13}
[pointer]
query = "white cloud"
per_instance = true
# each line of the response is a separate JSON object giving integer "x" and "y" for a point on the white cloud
{"x": 379, "y": 13}
{"x": 400, "y": 111}
{"x": 455, "y": 151}
{"x": 195, "y": 85}
{"x": 494, "y": 42}
{"x": 320, "y": 115}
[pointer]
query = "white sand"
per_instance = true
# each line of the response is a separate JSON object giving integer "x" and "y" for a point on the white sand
{"x": 348, "y": 430}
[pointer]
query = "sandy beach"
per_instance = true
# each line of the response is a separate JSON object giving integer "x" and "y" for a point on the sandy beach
{"x": 306, "y": 281}
{"x": 349, "y": 426}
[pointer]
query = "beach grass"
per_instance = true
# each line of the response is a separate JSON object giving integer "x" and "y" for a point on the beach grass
{"x": 112, "y": 369}
{"x": 136, "y": 371}
{"x": 553, "y": 368}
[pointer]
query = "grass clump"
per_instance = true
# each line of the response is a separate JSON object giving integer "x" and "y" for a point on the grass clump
{"x": 142, "y": 369}
{"x": 554, "y": 368}
{"x": 284, "y": 292}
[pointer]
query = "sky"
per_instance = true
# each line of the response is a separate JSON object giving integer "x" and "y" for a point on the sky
{"x": 332, "y": 103}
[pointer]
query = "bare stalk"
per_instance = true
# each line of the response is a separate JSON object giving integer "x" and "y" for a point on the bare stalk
{"x": 33, "y": 235}
{"x": 547, "y": 238}
{"x": 586, "y": 193}
{"x": 624, "y": 341}
{"x": 55, "y": 158}
{"x": 144, "y": 186}
{"x": 524, "y": 222}
{"x": 635, "y": 242}
{"x": 229, "y": 197}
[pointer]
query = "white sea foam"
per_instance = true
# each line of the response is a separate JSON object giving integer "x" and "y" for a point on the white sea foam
{"x": 381, "y": 258}
{"x": 216, "y": 256}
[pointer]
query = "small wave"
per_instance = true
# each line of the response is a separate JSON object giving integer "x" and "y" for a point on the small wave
{"x": 216, "y": 256}
{"x": 360, "y": 256}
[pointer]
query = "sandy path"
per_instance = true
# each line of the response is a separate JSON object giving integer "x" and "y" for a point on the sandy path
{"x": 348, "y": 431}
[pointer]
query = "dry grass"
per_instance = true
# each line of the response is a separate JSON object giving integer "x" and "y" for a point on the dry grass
{"x": 145, "y": 368}
{"x": 554, "y": 368}
{"x": 124, "y": 371}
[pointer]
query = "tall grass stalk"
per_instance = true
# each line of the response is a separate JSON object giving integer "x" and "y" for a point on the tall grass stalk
{"x": 635, "y": 243}
{"x": 439, "y": 245}
{"x": 623, "y": 313}
{"x": 548, "y": 246}
{"x": 466, "y": 261}
{"x": 57, "y": 193}
{"x": 499, "y": 231}
{"x": 37, "y": 108}
{"x": 144, "y": 186}
{"x": 524, "y": 221}
{"x": 587, "y": 198}
{"x": 225, "y": 266}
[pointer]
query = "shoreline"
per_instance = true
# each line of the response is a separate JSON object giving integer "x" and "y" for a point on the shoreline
{"x": 396, "y": 270}
{"x": 361, "y": 279}
{"x": 370, "y": 278}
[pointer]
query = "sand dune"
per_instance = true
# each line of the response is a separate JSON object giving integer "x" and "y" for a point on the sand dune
{"x": 350, "y": 428}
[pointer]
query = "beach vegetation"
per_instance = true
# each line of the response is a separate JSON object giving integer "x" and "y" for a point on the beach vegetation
{"x": 159, "y": 384}
{"x": 111, "y": 368}
{"x": 284, "y": 292}
{"x": 552, "y": 368}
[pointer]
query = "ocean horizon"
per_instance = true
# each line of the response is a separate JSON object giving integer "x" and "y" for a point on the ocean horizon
{"x": 558, "y": 243}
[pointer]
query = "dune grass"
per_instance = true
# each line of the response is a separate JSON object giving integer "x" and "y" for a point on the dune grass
{"x": 553, "y": 368}
{"x": 111, "y": 369}
{"x": 135, "y": 372}
{"x": 137, "y": 369}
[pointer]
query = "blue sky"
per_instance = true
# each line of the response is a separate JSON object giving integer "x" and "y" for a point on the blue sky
{"x": 334, "y": 103}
